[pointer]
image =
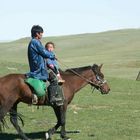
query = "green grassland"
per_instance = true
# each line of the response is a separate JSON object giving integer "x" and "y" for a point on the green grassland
{"x": 115, "y": 116}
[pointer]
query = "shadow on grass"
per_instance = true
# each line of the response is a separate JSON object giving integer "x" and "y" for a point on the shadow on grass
{"x": 33, "y": 135}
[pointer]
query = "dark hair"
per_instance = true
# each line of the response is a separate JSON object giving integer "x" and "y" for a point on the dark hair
{"x": 46, "y": 45}
{"x": 36, "y": 29}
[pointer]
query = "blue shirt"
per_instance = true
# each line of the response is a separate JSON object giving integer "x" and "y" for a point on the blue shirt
{"x": 52, "y": 62}
{"x": 36, "y": 57}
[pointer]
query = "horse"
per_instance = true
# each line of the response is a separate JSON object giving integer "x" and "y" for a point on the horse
{"x": 14, "y": 90}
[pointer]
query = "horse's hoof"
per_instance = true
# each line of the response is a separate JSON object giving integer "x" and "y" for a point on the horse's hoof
{"x": 47, "y": 136}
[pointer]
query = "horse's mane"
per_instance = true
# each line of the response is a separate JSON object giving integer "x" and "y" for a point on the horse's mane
{"x": 79, "y": 69}
{"x": 94, "y": 67}
{"x": 72, "y": 70}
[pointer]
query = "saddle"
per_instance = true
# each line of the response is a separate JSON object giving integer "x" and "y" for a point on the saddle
{"x": 39, "y": 86}
{"x": 41, "y": 89}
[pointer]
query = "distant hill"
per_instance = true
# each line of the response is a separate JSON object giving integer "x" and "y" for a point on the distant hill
{"x": 119, "y": 51}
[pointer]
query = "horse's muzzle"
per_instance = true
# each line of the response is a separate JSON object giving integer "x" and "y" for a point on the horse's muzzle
{"x": 104, "y": 91}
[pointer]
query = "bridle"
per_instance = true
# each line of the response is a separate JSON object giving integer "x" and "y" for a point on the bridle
{"x": 99, "y": 85}
{"x": 93, "y": 84}
{"x": 100, "y": 81}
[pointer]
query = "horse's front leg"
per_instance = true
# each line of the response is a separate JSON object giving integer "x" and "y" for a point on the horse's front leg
{"x": 63, "y": 123}
{"x": 60, "y": 112}
{"x": 50, "y": 132}
{"x": 13, "y": 119}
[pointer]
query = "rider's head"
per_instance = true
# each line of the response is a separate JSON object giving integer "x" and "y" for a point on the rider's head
{"x": 36, "y": 30}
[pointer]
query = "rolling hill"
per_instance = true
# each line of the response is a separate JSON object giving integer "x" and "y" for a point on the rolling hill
{"x": 115, "y": 116}
{"x": 118, "y": 50}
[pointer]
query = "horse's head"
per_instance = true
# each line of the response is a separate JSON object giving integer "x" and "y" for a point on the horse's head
{"x": 98, "y": 80}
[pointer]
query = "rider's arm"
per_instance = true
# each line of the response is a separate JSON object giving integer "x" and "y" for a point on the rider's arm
{"x": 42, "y": 51}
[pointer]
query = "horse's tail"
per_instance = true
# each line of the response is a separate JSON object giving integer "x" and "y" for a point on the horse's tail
{"x": 2, "y": 119}
{"x": 3, "y": 123}
{"x": 18, "y": 116}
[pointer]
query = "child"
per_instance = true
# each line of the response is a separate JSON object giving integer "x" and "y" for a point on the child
{"x": 52, "y": 63}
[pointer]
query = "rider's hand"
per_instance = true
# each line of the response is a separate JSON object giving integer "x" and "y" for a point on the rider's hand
{"x": 56, "y": 58}
{"x": 51, "y": 66}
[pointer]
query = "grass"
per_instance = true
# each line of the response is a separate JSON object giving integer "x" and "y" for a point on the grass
{"x": 98, "y": 117}
{"x": 112, "y": 116}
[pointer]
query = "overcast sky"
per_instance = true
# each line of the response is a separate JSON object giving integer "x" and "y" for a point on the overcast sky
{"x": 64, "y": 17}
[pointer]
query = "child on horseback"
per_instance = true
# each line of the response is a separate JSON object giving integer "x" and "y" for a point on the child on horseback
{"x": 52, "y": 63}
{"x": 37, "y": 55}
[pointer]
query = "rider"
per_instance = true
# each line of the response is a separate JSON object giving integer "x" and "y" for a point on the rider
{"x": 37, "y": 62}
{"x": 52, "y": 63}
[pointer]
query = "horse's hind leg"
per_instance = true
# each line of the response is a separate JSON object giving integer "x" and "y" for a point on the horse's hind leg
{"x": 4, "y": 108}
{"x": 3, "y": 112}
{"x": 14, "y": 121}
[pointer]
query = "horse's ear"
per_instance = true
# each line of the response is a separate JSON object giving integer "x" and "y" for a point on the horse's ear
{"x": 100, "y": 66}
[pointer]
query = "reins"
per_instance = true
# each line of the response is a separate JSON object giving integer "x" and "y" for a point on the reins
{"x": 82, "y": 77}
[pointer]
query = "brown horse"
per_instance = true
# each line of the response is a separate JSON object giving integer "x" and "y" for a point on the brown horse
{"x": 13, "y": 90}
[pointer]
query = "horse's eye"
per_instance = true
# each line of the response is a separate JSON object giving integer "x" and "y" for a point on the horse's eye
{"x": 101, "y": 75}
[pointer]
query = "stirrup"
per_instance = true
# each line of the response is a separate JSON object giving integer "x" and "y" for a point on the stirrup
{"x": 34, "y": 99}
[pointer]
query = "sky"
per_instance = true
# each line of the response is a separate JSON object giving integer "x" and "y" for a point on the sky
{"x": 66, "y": 17}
